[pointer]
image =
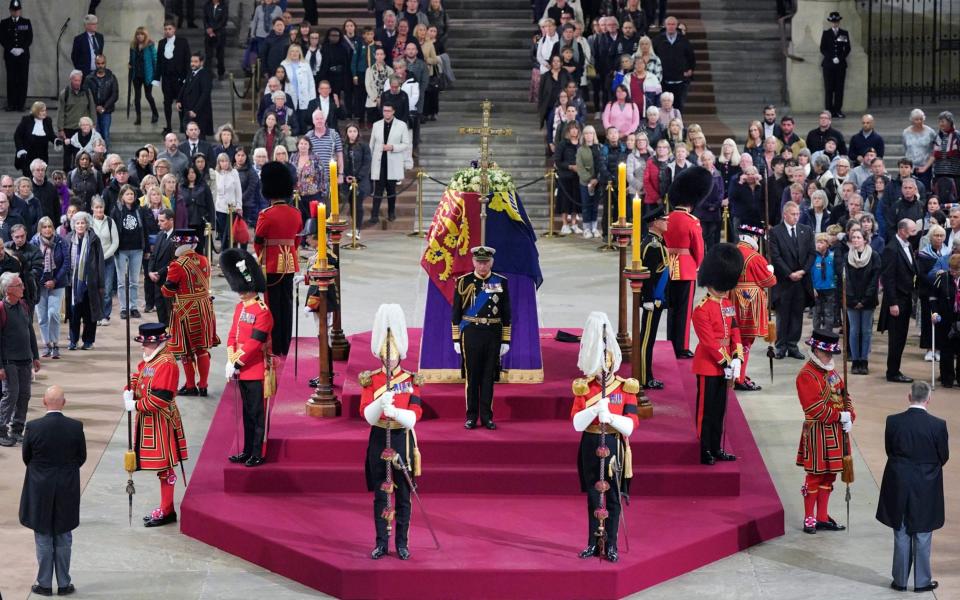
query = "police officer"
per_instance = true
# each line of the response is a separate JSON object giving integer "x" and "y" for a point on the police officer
{"x": 481, "y": 333}
{"x": 16, "y": 35}
{"x": 654, "y": 295}
{"x": 835, "y": 47}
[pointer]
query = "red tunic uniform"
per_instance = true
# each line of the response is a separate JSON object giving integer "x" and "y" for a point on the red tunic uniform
{"x": 714, "y": 320}
{"x": 684, "y": 240}
{"x": 275, "y": 238}
{"x": 193, "y": 324}
{"x": 749, "y": 295}
{"x": 246, "y": 344}
{"x": 821, "y": 396}
{"x": 160, "y": 443}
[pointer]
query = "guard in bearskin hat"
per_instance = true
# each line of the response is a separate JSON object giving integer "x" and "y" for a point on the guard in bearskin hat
{"x": 605, "y": 410}
{"x": 390, "y": 402}
{"x": 159, "y": 443}
{"x": 719, "y": 356}
{"x": 193, "y": 324}
{"x": 750, "y": 297}
{"x": 249, "y": 363}
{"x": 828, "y": 417}
{"x": 684, "y": 240}
{"x": 275, "y": 242}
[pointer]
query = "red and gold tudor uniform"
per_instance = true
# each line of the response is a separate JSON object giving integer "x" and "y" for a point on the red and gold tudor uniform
{"x": 405, "y": 386}
{"x": 159, "y": 441}
{"x": 820, "y": 390}
{"x": 622, "y": 396}
{"x": 247, "y": 350}
{"x": 193, "y": 324}
{"x": 275, "y": 243}
{"x": 750, "y": 299}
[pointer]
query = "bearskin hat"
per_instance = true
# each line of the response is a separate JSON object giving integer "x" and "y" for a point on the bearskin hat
{"x": 690, "y": 187}
{"x": 242, "y": 271}
{"x": 275, "y": 181}
{"x": 721, "y": 267}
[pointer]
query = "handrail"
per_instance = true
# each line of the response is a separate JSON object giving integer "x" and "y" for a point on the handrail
{"x": 785, "y": 49}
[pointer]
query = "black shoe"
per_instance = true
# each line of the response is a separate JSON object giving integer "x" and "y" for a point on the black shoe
{"x": 840, "y": 115}
{"x": 123, "y": 314}
{"x": 684, "y": 354}
{"x": 66, "y": 591}
{"x": 72, "y": 346}
{"x": 164, "y": 520}
{"x": 378, "y": 552}
{"x": 809, "y": 529}
{"x": 188, "y": 391}
{"x": 255, "y": 461}
{"x": 490, "y": 425}
{"x": 707, "y": 459}
{"x": 135, "y": 314}
{"x": 780, "y": 355}
{"x": 392, "y": 217}
{"x": 403, "y": 554}
{"x": 588, "y": 552}
{"x": 314, "y": 382}
{"x": 148, "y": 309}
{"x": 612, "y": 554}
{"x": 7, "y": 441}
{"x": 794, "y": 353}
{"x": 897, "y": 588}
{"x": 86, "y": 346}
{"x": 654, "y": 384}
{"x": 373, "y": 222}
{"x": 136, "y": 121}
{"x": 41, "y": 591}
{"x": 154, "y": 119}
{"x": 239, "y": 458}
{"x": 748, "y": 385}
{"x": 470, "y": 424}
{"x": 202, "y": 392}
{"x": 899, "y": 378}
{"x": 726, "y": 457}
{"x": 927, "y": 588}
{"x": 829, "y": 525}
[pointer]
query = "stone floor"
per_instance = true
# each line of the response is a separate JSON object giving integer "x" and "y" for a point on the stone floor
{"x": 109, "y": 556}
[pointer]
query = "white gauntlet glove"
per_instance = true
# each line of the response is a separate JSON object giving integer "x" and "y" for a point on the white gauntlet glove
{"x": 605, "y": 417}
{"x": 390, "y": 411}
{"x": 504, "y": 348}
{"x": 386, "y": 400}
{"x": 129, "y": 404}
{"x": 648, "y": 306}
{"x": 728, "y": 372}
{"x": 736, "y": 364}
{"x": 229, "y": 370}
{"x": 845, "y": 417}
{"x": 847, "y": 427}
{"x": 456, "y": 347}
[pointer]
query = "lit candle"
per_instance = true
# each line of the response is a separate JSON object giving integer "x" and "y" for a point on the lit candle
{"x": 622, "y": 192}
{"x": 636, "y": 231}
{"x": 321, "y": 236}
{"x": 334, "y": 193}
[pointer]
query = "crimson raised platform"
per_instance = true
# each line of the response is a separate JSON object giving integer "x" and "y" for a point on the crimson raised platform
{"x": 505, "y": 504}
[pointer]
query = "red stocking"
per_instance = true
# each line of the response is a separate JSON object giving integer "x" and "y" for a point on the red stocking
{"x": 823, "y": 497}
{"x": 747, "y": 342}
{"x": 167, "y": 480}
{"x": 189, "y": 373}
{"x": 203, "y": 367}
{"x": 810, "y": 491}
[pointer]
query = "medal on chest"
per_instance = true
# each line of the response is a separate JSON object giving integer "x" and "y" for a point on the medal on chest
{"x": 616, "y": 398}
{"x": 246, "y": 317}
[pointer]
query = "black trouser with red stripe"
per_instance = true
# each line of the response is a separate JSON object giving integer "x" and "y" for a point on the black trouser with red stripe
{"x": 279, "y": 298}
{"x": 711, "y": 408}
{"x": 648, "y": 336}
{"x": 254, "y": 415}
{"x": 678, "y": 317}
{"x": 480, "y": 345}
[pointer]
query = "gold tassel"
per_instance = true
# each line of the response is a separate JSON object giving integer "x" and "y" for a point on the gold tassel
{"x": 130, "y": 461}
{"x": 847, "y": 475}
{"x": 627, "y": 461}
{"x": 416, "y": 454}
{"x": 771, "y": 336}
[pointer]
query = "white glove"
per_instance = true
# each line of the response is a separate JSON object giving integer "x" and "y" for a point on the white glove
{"x": 728, "y": 372}
{"x": 390, "y": 412}
{"x": 605, "y": 417}
{"x": 845, "y": 417}
{"x": 386, "y": 400}
{"x": 504, "y": 348}
{"x": 648, "y": 306}
{"x": 298, "y": 279}
{"x": 229, "y": 370}
{"x": 16, "y": 51}
{"x": 603, "y": 404}
{"x": 847, "y": 427}
{"x": 770, "y": 268}
{"x": 129, "y": 404}
{"x": 329, "y": 319}
{"x": 21, "y": 153}
{"x": 736, "y": 364}
{"x": 307, "y": 310}
{"x": 836, "y": 61}
{"x": 456, "y": 347}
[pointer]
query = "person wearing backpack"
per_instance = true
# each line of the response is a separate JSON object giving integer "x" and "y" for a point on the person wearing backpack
{"x": 18, "y": 353}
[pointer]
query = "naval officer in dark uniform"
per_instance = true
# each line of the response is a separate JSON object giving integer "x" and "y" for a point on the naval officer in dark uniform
{"x": 654, "y": 295}
{"x": 481, "y": 333}
{"x": 835, "y": 47}
{"x": 16, "y": 35}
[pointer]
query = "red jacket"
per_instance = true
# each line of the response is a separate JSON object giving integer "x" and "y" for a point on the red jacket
{"x": 405, "y": 386}
{"x": 684, "y": 240}
{"x": 249, "y": 333}
{"x": 651, "y": 182}
{"x": 750, "y": 296}
{"x": 714, "y": 320}
{"x": 159, "y": 440}
{"x": 276, "y": 238}
{"x": 622, "y": 394}
{"x": 821, "y": 397}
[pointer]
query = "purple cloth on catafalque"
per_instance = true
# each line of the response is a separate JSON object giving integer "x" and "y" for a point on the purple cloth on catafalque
{"x": 523, "y": 363}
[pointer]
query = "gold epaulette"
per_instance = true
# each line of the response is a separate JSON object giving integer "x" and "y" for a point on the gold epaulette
{"x": 631, "y": 386}
{"x": 365, "y": 378}
{"x": 580, "y": 387}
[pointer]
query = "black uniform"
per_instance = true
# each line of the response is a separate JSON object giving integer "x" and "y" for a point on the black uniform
{"x": 834, "y": 46}
{"x": 654, "y": 256}
{"x": 215, "y": 18}
{"x": 16, "y": 32}
{"x": 481, "y": 322}
{"x": 171, "y": 73}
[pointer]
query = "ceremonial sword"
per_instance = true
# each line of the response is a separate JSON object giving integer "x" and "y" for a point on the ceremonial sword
{"x": 403, "y": 468}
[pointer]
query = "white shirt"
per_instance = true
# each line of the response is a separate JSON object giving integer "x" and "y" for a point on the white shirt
{"x": 768, "y": 129}
{"x": 324, "y": 105}
{"x": 168, "y": 47}
{"x": 38, "y": 128}
{"x": 905, "y": 245}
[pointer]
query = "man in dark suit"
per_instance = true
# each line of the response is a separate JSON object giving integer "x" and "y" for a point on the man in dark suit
{"x": 911, "y": 495}
{"x": 215, "y": 31}
{"x": 328, "y": 103}
{"x": 769, "y": 123}
{"x": 87, "y": 46}
{"x": 173, "y": 66}
{"x": 194, "y": 99}
{"x": 16, "y": 35}
{"x": 899, "y": 279}
{"x": 7, "y": 219}
{"x": 195, "y": 144}
{"x": 835, "y": 47}
{"x": 54, "y": 449}
{"x": 160, "y": 260}
{"x": 792, "y": 253}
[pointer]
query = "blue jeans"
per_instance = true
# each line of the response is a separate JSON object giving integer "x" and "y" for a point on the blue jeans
{"x": 128, "y": 261}
{"x": 109, "y": 282}
{"x": 861, "y": 332}
{"x": 588, "y": 203}
{"x": 48, "y": 314}
{"x": 53, "y": 552}
{"x": 103, "y": 126}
